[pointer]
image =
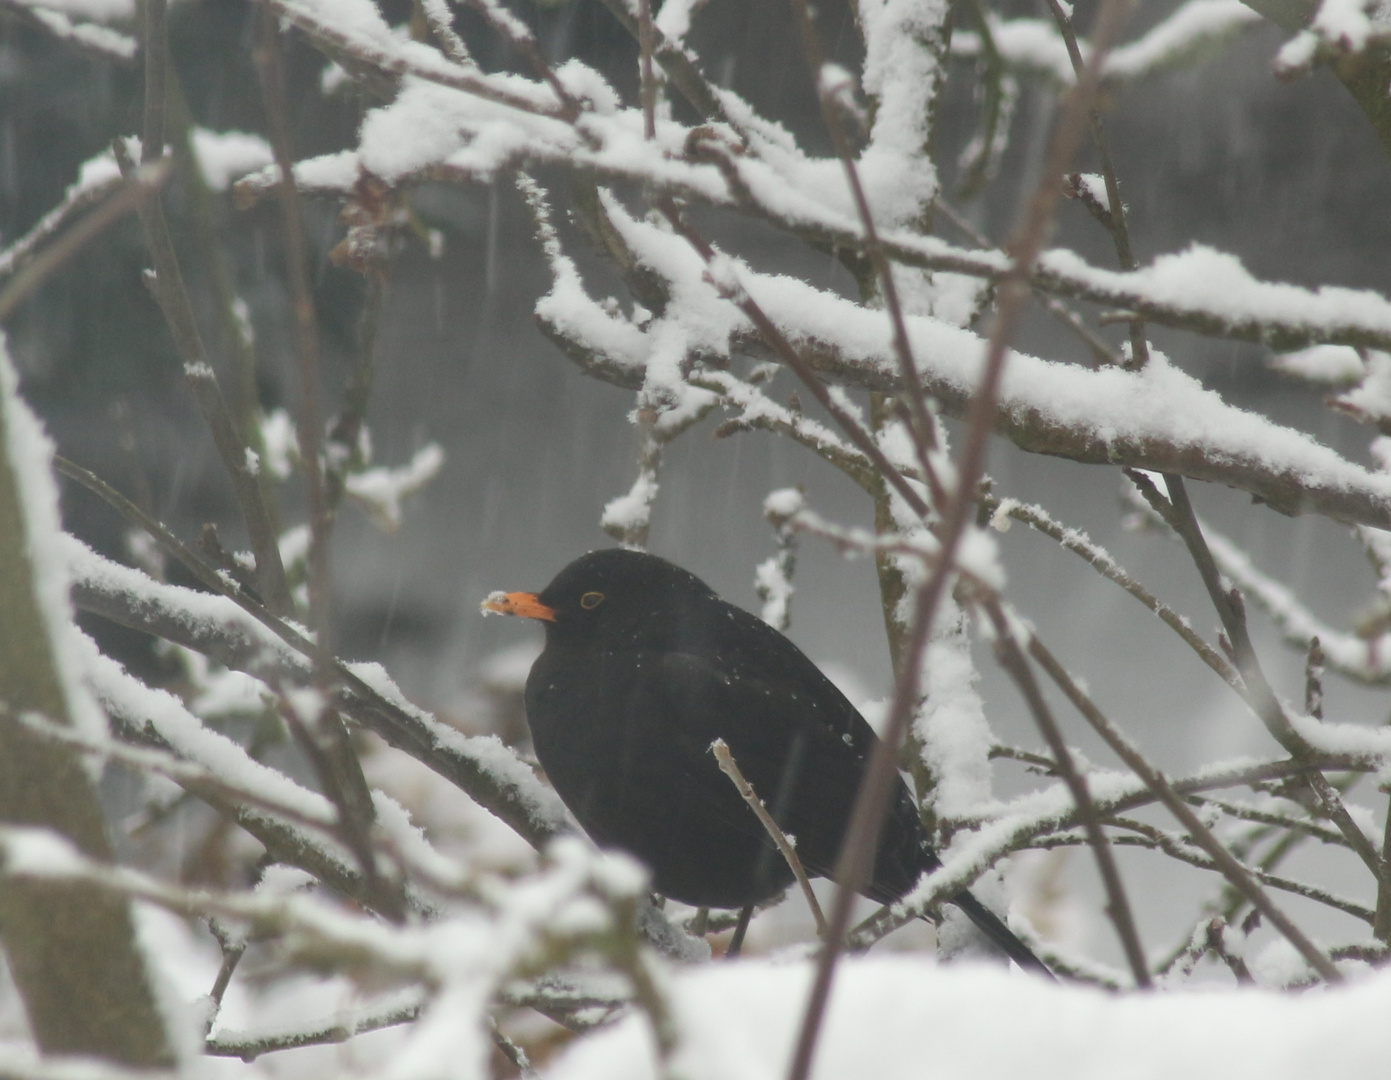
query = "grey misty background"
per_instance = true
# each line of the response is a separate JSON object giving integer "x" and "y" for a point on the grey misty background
{"x": 1288, "y": 177}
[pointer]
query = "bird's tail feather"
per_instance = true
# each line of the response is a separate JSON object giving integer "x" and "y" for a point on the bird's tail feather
{"x": 995, "y": 929}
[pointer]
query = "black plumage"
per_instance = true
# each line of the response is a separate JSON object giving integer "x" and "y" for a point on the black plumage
{"x": 644, "y": 667}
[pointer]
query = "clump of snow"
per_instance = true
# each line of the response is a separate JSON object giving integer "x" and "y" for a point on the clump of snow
{"x": 674, "y": 18}
{"x": 628, "y": 514}
{"x": 1370, "y": 400}
{"x": 775, "y": 590}
{"x": 102, "y": 39}
{"x": 38, "y": 852}
{"x": 225, "y": 155}
{"x": 784, "y": 503}
{"x": 1343, "y": 26}
{"x": 281, "y": 443}
{"x": 1092, "y": 187}
{"x": 104, "y": 11}
{"x": 951, "y": 724}
{"x": 382, "y": 489}
{"x": 1329, "y": 365}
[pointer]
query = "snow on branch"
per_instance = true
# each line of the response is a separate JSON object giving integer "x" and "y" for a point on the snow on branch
{"x": 1366, "y": 659}
{"x": 81, "y": 25}
{"x": 1157, "y": 418}
{"x": 577, "y": 905}
{"x": 456, "y": 128}
{"x": 1190, "y": 35}
{"x": 479, "y": 765}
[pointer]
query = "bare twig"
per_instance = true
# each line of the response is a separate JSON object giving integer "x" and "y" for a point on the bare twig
{"x": 156, "y": 50}
{"x": 233, "y": 948}
{"x": 1235, "y": 872}
{"x": 161, "y": 763}
{"x": 648, "y": 92}
{"x": 408, "y": 730}
{"x": 1193, "y": 856}
{"x": 520, "y": 37}
{"x": 1117, "y": 905}
{"x": 306, "y": 335}
{"x": 320, "y": 734}
{"x": 170, "y": 293}
{"x": 1079, "y": 544}
{"x": 923, "y": 428}
{"x": 1115, "y": 219}
{"x": 1313, "y": 679}
{"x": 731, "y": 290}
{"x": 1278, "y": 821}
{"x": 113, "y": 201}
{"x": 1217, "y": 942}
{"x": 873, "y": 798}
{"x": 731, "y": 769}
{"x": 1259, "y": 694}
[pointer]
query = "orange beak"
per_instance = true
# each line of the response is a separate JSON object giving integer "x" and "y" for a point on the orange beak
{"x": 524, "y": 604}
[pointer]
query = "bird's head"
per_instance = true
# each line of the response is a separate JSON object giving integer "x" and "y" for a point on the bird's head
{"x": 614, "y": 591}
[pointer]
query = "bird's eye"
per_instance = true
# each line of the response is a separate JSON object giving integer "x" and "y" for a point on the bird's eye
{"x": 591, "y": 600}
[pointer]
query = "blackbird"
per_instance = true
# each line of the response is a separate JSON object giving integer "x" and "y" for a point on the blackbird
{"x": 644, "y": 667}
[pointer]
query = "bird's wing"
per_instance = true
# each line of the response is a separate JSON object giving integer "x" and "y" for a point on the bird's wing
{"x": 796, "y": 739}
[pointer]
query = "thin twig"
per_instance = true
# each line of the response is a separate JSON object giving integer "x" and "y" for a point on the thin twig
{"x": 172, "y": 296}
{"x": 648, "y": 91}
{"x": 77, "y": 199}
{"x": 1117, "y": 905}
{"x": 1116, "y": 224}
{"x": 125, "y": 195}
{"x": 873, "y": 798}
{"x": 731, "y": 769}
{"x": 1278, "y": 821}
{"x": 306, "y": 335}
{"x": 1381, "y": 925}
{"x": 520, "y": 37}
{"x": 161, "y": 763}
{"x": 1259, "y": 695}
{"x": 1079, "y": 544}
{"x": 923, "y": 429}
{"x": 321, "y": 736}
{"x": 792, "y": 358}
{"x": 1169, "y": 845}
{"x": 233, "y": 948}
{"x": 512, "y": 1052}
{"x": 1100, "y": 349}
{"x": 156, "y": 49}
{"x": 1234, "y": 871}
{"x": 1193, "y": 856}
{"x": 679, "y": 67}
{"x": 1313, "y": 679}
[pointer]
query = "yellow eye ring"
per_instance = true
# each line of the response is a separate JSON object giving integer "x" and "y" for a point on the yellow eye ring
{"x": 591, "y": 600}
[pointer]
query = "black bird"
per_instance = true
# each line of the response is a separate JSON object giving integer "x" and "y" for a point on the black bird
{"x": 644, "y": 667}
